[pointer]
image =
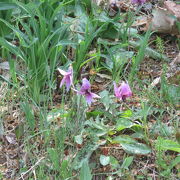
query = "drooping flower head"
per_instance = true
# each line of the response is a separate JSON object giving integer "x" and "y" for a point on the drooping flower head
{"x": 67, "y": 77}
{"x": 86, "y": 91}
{"x": 138, "y": 1}
{"x": 123, "y": 91}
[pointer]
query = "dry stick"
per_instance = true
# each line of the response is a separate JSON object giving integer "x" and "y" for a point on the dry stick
{"x": 31, "y": 168}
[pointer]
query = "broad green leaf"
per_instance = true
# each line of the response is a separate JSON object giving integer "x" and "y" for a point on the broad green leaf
{"x": 123, "y": 123}
{"x": 114, "y": 162}
{"x": 127, "y": 113}
{"x": 127, "y": 162}
{"x": 171, "y": 92}
{"x": 162, "y": 129}
{"x": 105, "y": 99}
{"x": 132, "y": 146}
{"x": 19, "y": 131}
{"x": 136, "y": 148}
{"x": 122, "y": 139}
{"x": 54, "y": 114}
{"x": 85, "y": 153}
{"x": 104, "y": 160}
{"x": 85, "y": 173}
{"x": 175, "y": 162}
{"x": 166, "y": 144}
{"x": 94, "y": 114}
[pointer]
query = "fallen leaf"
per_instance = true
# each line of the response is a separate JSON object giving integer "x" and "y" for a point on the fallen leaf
{"x": 11, "y": 138}
{"x": 163, "y": 22}
{"x": 173, "y": 8}
{"x": 164, "y": 19}
{"x": 4, "y": 65}
{"x": 140, "y": 21}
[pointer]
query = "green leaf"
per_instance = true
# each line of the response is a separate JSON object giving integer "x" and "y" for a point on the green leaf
{"x": 54, "y": 156}
{"x": 122, "y": 139}
{"x": 94, "y": 114}
{"x": 86, "y": 152}
{"x": 85, "y": 173}
{"x": 104, "y": 160}
{"x": 175, "y": 162}
{"x": 171, "y": 92}
{"x": 66, "y": 42}
{"x": 19, "y": 131}
{"x": 114, "y": 162}
{"x": 65, "y": 173}
{"x": 136, "y": 148}
{"x": 127, "y": 113}
{"x": 162, "y": 130}
{"x": 132, "y": 146}
{"x": 165, "y": 144}
{"x": 123, "y": 123}
{"x": 78, "y": 139}
{"x": 29, "y": 114}
{"x": 105, "y": 99}
{"x": 127, "y": 162}
{"x": 7, "y": 6}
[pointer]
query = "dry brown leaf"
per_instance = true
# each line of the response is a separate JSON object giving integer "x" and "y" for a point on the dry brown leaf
{"x": 4, "y": 65}
{"x": 11, "y": 138}
{"x": 163, "y": 22}
{"x": 172, "y": 74}
{"x": 173, "y": 8}
{"x": 175, "y": 61}
{"x": 140, "y": 22}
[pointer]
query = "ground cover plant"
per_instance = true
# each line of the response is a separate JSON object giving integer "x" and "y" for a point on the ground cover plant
{"x": 89, "y": 89}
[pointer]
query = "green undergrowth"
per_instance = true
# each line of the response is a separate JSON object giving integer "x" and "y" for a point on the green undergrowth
{"x": 63, "y": 137}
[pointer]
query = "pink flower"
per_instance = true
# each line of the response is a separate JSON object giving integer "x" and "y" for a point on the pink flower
{"x": 138, "y": 1}
{"x": 86, "y": 91}
{"x": 123, "y": 91}
{"x": 68, "y": 78}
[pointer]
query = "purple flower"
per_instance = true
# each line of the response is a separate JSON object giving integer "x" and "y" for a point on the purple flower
{"x": 123, "y": 91}
{"x": 68, "y": 77}
{"x": 86, "y": 91}
{"x": 138, "y": 1}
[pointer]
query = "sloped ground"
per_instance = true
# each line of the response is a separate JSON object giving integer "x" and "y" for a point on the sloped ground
{"x": 23, "y": 155}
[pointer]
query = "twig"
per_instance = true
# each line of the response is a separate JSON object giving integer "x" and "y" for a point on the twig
{"x": 31, "y": 168}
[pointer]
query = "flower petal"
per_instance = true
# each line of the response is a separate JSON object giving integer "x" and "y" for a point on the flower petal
{"x": 62, "y": 81}
{"x": 116, "y": 90}
{"x": 78, "y": 92}
{"x": 68, "y": 77}
{"x": 125, "y": 90}
{"x": 70, "y": 69}
{"x": 138, "y": 1}
{"x": 95, "y": 95}
{"x": 85, "y": 85}
{"x": 68, "y": 83}
{"x": 89, "y": 97}
{"x": 64, "y": 73}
